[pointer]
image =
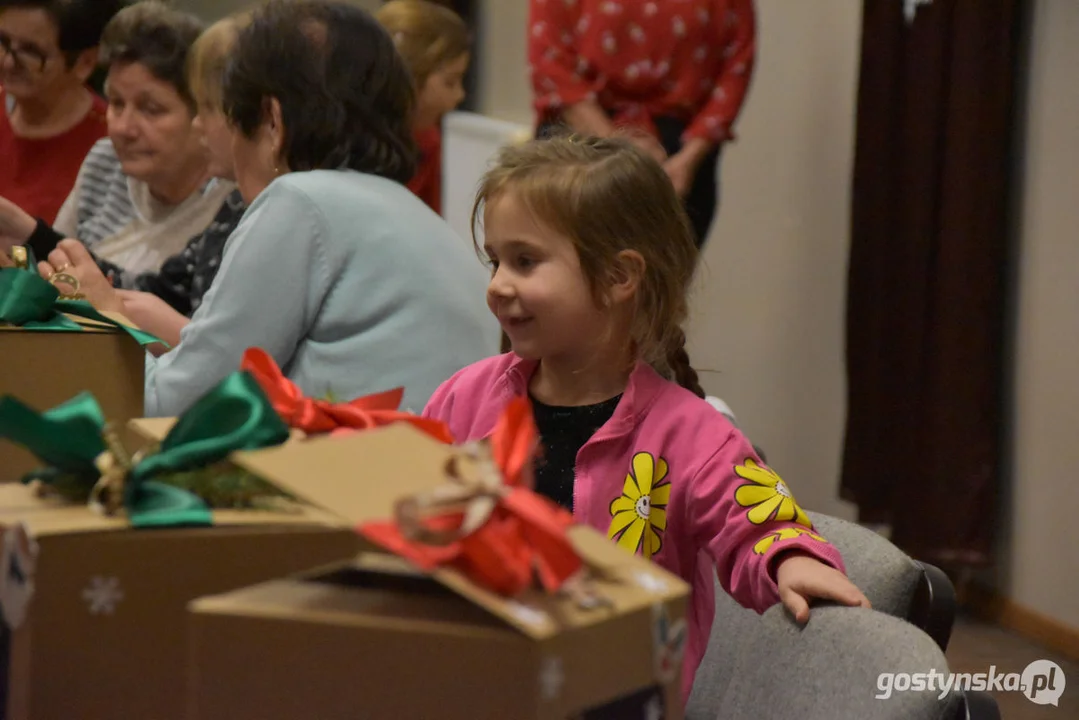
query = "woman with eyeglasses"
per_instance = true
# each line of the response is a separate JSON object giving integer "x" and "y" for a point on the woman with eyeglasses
{"x": 144, "y": 191}
{"x": 49, "y": 118}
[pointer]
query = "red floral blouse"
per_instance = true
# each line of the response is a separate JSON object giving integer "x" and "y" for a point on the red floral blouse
{"x": 639, "y": 59}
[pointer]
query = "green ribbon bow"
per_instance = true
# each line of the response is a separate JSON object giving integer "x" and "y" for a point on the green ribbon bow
{"x": 236, "y": 415}
{"x": 30, "y": 301}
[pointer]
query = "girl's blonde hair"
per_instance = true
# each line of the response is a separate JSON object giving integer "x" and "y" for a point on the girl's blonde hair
{"x": 607, "y": 196}
{"x": 210, "y": 54}
{"x": 427, "y": 35}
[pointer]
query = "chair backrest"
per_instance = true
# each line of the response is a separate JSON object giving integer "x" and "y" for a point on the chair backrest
{"x": 886, "y": 574}
{"x": 732, "y": 627}
{"x": 834, "y": 667}
{"x": 894, "y": 582}
{"x": 888, "y": 577}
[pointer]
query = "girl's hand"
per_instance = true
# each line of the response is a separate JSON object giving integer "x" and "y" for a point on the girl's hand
{"x": 802, "y": 578}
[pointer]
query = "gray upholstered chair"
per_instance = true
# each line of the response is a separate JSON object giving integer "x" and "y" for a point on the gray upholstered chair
{"x": 895, "y": 584}
{"x": 831, "y": 668}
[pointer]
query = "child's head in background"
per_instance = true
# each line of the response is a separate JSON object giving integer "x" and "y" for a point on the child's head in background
{"x": 435, "y": 44}
{"x": 592, "y": 256}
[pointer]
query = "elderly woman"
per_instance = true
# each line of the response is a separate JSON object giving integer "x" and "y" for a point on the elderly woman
{"x": 339, "y": 272}
{"x": 162, "y": 302}
{"x": 144, "y": 191}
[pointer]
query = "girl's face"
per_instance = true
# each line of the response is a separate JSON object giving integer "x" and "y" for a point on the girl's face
{"x": 442, "y": 92}
{"x": 538, "y": 289}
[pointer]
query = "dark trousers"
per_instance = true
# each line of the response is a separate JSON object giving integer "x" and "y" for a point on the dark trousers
{"x": 702, "y": 200}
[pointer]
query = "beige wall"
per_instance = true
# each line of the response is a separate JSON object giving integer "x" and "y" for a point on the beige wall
{"x": 769, "y": 302}
{"x": 1042, "y": 568}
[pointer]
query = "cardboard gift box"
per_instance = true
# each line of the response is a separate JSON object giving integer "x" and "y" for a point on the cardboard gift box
{"x": 95, "y": 610}
{"x": 45, "y": 368}
{"x": 377, "y": 638}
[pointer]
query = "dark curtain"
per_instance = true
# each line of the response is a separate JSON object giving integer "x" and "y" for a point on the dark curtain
{"x": 927, "y": 275}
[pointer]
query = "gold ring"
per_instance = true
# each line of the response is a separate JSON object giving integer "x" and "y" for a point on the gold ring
{"x": 62, "y": 268}
{"x": 67, "y": 279}
{"x": 20, "y": 257}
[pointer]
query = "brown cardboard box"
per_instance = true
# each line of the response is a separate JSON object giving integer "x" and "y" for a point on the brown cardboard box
{"x": 103, "y": 632}
{"x": 44, "y": 369}
{"x": 373, "y": 638}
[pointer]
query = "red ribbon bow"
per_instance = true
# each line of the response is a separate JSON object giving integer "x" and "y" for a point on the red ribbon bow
{"x": 487, "y": 524}
{"x": 321, "y": 416}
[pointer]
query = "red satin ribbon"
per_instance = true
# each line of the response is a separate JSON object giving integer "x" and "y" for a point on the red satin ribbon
{"x": 320, "y": 416}
{"x": 523, "y": 538}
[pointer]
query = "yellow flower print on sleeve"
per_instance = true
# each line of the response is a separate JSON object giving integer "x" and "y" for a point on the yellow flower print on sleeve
{"x": 639, "y": 515}
{"x": 787, "y": 533}
{"x": 768, "y": 497}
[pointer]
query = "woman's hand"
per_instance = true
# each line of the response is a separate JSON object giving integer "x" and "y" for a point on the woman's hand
{"x": 72, "y": 258}
{"x": 802, "y": 578}
{"x": 153, "y": 315}
{"x": 682, "y": 166}
{"x": 650, "y": 145}
{"x": 16, "y": 225}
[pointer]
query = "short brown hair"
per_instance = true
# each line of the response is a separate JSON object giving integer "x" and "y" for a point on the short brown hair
{"x": 79, "y": 23}
{"x": 345, "y": 94}
{"x": 156, "y": 36}
{"x": 427, "y": 35}
{"x": 607, "y": 196}
{"x": 209, "y": 56}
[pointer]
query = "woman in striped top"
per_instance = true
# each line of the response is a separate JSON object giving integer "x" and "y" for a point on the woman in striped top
{"x": 163, "y": 302}
{"x": 146, "y": 190}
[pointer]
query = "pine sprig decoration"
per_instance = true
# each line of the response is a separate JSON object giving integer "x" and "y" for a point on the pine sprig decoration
{"x": 224, "y": 486}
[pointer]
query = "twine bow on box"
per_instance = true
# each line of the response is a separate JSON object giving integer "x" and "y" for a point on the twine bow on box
{"x": 314, "y": 416}
{"x": 485, "y": 523}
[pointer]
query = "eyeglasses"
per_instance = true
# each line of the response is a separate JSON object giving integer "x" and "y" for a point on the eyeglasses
{"x": 26, "y": 57}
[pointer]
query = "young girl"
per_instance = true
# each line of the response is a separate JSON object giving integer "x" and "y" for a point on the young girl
{"x": 592, "y": 255}
{"x": 435, "y": 44}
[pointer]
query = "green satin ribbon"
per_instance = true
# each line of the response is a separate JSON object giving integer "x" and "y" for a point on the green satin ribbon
{"x": 30, "y": 301}
{"x": 66, "y": 438}
{"x": 236, "y": 415}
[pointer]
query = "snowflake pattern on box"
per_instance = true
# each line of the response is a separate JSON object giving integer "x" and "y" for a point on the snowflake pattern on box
{"x": 552, "y": 679}
{"x": 102, "y": 595}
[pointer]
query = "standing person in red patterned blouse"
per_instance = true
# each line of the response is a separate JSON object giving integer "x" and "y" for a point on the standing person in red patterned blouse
{"x": 49, "y": 118}
{"x": 674, "y": 71}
